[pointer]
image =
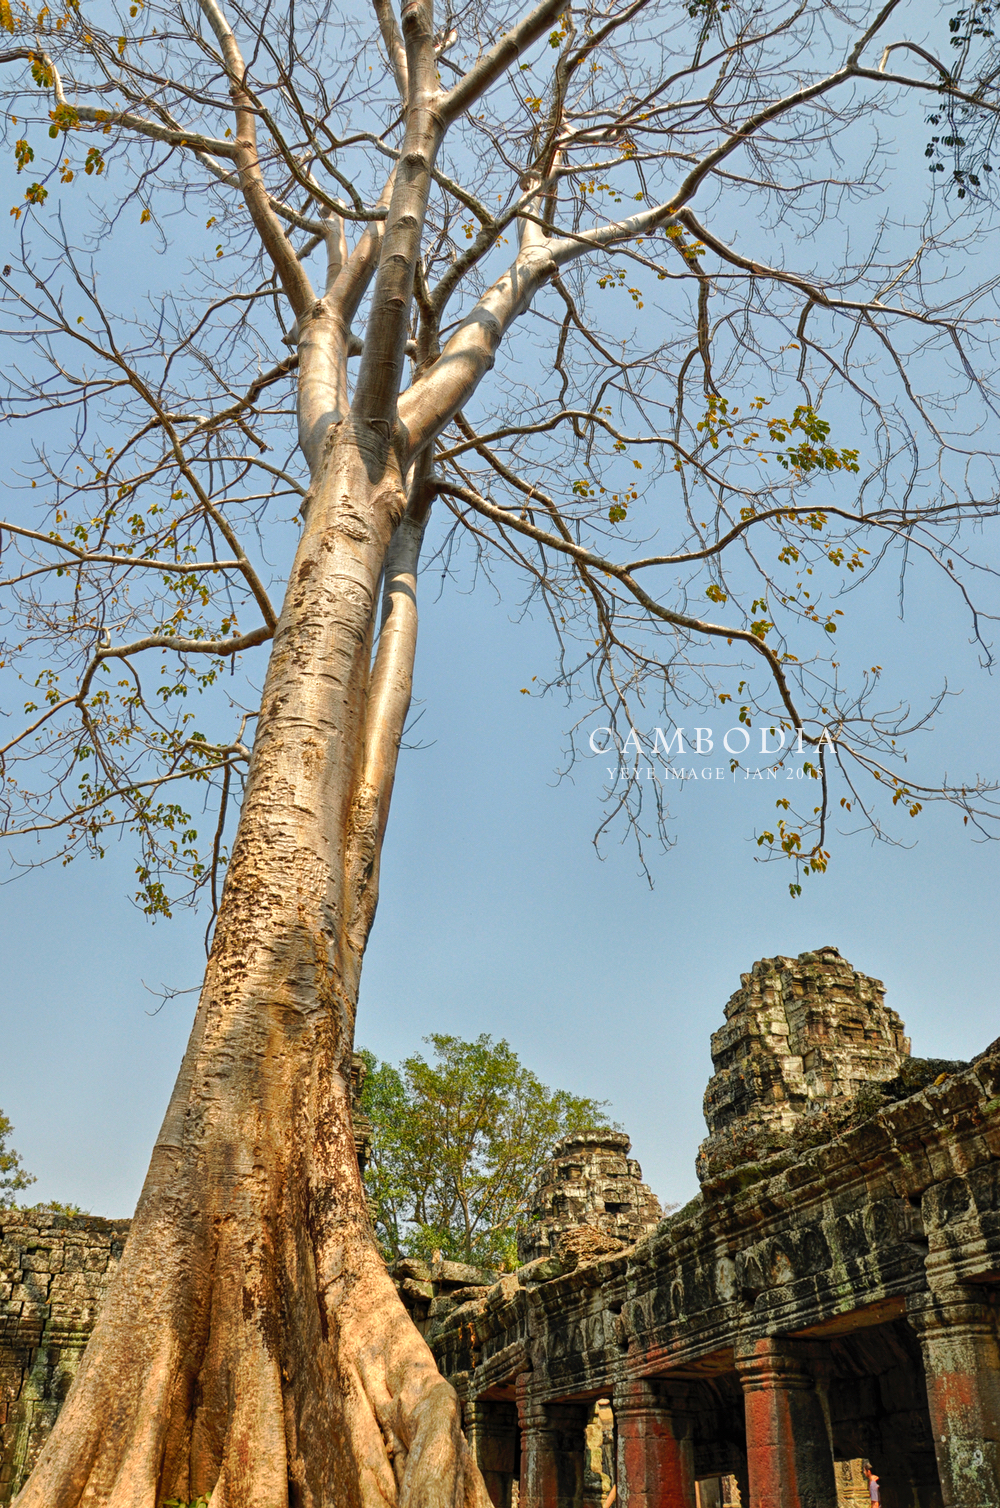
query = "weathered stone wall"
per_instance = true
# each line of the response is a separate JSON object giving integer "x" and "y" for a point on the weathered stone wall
{"x": 54, "y": 1273}
{"x": 830, "y": 1297}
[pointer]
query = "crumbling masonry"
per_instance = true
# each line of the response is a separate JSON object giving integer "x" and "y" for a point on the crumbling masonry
{"x": 827, "y": 1302}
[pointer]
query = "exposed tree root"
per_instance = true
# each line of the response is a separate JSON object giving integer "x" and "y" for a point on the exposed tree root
{"x": 253, "y": 1346}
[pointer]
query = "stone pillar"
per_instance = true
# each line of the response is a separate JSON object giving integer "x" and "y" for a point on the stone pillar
{"x": 789, "y": 1459}
{"x": 655, "y": 1466}
{"x": 958, "y": 1338}
{"x": 552, "y": 1446}
{"x": 491, "y": 1430}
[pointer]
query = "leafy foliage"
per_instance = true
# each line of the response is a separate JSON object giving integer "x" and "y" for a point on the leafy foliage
{"x": 457, "y": 1145}
{"x": 13, "y": 1177}
{"x": 968, "y": 142}
{"x": 55, "y": 1207}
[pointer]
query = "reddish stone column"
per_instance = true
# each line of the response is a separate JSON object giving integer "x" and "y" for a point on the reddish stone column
{"x": 655, "y": 1466}
{"x": 552, "y": 1444}
{"x": 958, "y": 1338}
{"x": 789, "y": 1459}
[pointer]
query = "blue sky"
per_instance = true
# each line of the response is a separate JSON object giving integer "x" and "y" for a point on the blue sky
{"x": 497, "y": 916}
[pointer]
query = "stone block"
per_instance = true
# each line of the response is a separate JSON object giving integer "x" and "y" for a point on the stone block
{"x": 412, "y": 1267}
{"x": 41, "y": 1259}
{"x": 541, "y": 1271}
{"x": 31, "y": 1294}
{"x": 502, "y": 1292}
{"x": 461, "y": 1274}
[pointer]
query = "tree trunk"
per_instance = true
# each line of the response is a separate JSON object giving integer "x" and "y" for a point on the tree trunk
{"x": 253, "y": 1346}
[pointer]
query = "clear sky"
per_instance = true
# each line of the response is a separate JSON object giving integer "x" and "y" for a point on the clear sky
{"x": 497, "y": 916}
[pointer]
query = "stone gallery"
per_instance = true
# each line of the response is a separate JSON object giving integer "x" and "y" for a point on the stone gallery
{"x": 824, "y": 1308}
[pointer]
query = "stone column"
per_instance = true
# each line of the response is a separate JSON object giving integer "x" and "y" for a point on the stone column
{"x": 655, "y": 1466}
{"x": 491, "y": 1430}
{"x": 552, "y": 1445}
{"x": 789, "y": 1459}
{"x": 958, "y": 1338}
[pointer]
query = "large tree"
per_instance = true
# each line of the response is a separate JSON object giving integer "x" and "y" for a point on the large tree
{"x": 687, "y": 499}
{"x": 457, "y": 1146}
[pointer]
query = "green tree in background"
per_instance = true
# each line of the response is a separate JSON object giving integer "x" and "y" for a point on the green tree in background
{"x": 13, "y": 1177}
{"x": 457, "y": 1144}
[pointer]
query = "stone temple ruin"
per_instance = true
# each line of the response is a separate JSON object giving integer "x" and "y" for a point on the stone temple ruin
{"x": 827, "y": 1304}
{"x": 801, "y": 1035}
{"x": 592, "y": 1186}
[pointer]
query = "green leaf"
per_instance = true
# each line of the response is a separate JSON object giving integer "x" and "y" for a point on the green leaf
{"x": 456, "y": 1146}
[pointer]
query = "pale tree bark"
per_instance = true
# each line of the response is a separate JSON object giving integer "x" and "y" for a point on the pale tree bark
{"x": 253, "y": 1346}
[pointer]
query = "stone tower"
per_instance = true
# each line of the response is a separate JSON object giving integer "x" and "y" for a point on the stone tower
{"x": 801, "y": 1034}
{"x": 590, "y": 1181}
